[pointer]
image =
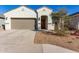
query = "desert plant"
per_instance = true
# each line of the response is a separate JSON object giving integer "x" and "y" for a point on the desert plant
{"x": 60, "y": 32}
{"x": 60, "y": 19}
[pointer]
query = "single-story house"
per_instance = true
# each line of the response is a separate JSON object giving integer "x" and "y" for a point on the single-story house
{"x": 74, "y": 23}
{"x": 26, "y": 18}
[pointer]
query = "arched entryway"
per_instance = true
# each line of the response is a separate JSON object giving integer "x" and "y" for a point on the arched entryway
{"x": 44, "y": 22}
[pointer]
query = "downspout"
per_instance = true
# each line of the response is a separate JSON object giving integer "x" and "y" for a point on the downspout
{"x": 36, "y": 21}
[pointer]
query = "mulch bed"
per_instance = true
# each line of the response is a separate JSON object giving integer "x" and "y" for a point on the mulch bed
{"x": 69, "y": 41}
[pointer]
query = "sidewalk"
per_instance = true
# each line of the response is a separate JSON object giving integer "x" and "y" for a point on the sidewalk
{"x": 47, "y": 48}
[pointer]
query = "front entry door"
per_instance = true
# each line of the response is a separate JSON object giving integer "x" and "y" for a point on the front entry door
{"x": 43, "y": 22}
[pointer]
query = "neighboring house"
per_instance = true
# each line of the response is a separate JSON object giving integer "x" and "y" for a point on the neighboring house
{"x": 2, "y": 21}
{"x": 74, "y": 23}
{"x": 25, "y": 18}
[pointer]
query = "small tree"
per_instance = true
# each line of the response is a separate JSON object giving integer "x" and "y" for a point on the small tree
{"x": 61, "y": 18}
{"x": 55, "y": 18}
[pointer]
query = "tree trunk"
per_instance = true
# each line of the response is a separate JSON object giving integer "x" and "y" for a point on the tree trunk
{"x": 59, "y": 25}
{"x": 62, "y": 24}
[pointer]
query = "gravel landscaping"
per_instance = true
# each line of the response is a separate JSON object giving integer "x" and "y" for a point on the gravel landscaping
{"x": 69, "y": 41}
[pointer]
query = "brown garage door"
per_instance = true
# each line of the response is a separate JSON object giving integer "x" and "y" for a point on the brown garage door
{"x": 22, "y": 23}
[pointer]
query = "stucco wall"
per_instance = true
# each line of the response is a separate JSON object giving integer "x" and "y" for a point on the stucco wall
{"x": 46, "y": 12}
{"x": 2, "y": 22}
{"x": 7, "y": 23}
{"x": 24, "y": 12}
{"x": 21, "y": 12}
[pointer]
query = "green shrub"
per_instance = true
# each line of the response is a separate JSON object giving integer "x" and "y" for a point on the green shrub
{"x": 61, "y": 33}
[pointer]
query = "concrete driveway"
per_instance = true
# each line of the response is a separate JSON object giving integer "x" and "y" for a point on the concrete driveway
{"x": 19, "y": 41}
{"x": 22, "y": 41}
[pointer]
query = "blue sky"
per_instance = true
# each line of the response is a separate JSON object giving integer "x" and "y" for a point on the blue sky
{"x": 70, "y": 8}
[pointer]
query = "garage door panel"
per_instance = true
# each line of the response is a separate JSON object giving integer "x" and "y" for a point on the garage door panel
{"x": 22, "y": 23}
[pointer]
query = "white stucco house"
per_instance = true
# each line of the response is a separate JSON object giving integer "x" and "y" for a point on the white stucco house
{"x": 44, "y": 18}
{"x": 26, "y": 18}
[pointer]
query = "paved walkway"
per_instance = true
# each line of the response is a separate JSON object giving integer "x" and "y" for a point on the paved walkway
{"x": 23, "y": 41}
